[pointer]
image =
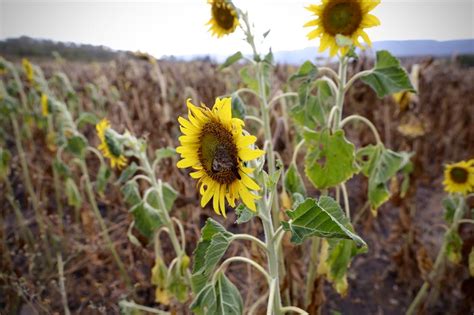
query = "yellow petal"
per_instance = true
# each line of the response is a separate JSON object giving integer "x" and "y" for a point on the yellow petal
{"x": 247, "y": 154}
{"x": 184, "y": 163}
{"x": 247, "y": 198}
{"x": 245, "y": 141}
{"x": 247, "y": 181}
{"x": 370, "y": 21}
{"x": 215, "y": 201}
{"x": 208, "y": 193}
{"x": 222, "y": 200}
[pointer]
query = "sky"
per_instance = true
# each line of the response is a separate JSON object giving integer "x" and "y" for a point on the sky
{"x": 177, "y": 27}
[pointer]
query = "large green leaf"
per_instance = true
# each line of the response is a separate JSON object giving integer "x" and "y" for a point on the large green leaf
{"x": 210, "y": 249}
{"x": 388, "y": 76}
{"x": 221, "y": 297}
{"x": 324, "y": 219}
{"x": 306, "y": 71}
{"x": 330, "y": 159}
{"x": 379, "y": 165}
{"x": 77, "y": 145}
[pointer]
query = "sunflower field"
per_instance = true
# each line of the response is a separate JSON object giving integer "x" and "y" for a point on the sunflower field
{"x": 145, "y": 186}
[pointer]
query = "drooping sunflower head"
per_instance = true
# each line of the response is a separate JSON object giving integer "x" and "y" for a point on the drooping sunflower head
{"x": 109, "y": 146}
{"x": 341, "y": 17}
{"x": 459, "y": 177}
{"x": 44, "y": 105}
{"x": 28, "y": 68}
{"x": 215, "y": 146}
{"x": 225, "y": 18}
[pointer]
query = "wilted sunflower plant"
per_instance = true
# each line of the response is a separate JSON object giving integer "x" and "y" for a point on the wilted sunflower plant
{"x": 331, "y": 159}
{"x": 459, "y": 184}
{"x": 150, "y": 211}
{"x": 229, "y": 167}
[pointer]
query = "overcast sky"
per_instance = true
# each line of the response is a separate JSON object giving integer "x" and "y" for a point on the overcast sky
{"x": 165, "y": 27}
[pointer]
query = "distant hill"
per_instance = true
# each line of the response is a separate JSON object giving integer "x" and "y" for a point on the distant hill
{"x": 38, "y": 48}
{"x": 29, "y": 47}
{"x": 407, "y": 48}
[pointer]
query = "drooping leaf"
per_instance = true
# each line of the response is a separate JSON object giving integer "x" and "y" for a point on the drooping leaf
{"x": 388, "y": 76}
{"x": 73, "y": 195}
{"x": 323, "y": 220}
{"x": 231, "y": 60}
{"x": 205, "y": 301}
{"x": 453, "y": 246}
{"x": 380, "y": 165}
{"x": 77, "y": 145}
{"x": 164, "y": 153}
{"x": 103, "y": 176}
{"x": 293, "y": 181}
{"x": 61, "y": 168}
{"x": 238, "y": 106}
{"x": 131, "y": 193}
{"x": 244, "y": 214}
{"x": 128, "y": 172}
{"x": 147, "y": 219}
{"x": 86, "y": 118}
{"x": 210, "y": 249}
{"x": 330, "y": 159}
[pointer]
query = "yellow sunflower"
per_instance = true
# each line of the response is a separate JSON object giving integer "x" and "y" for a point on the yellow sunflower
{"x": 109, "y": 146}
{"x": 344, "y": 17}
{"x": 44, "y": 105}
{"x": 214, "y": 145}
{"x": 225, "y": 18}
{"x": 28, "y": 68}
{"x": 459, "y": 177}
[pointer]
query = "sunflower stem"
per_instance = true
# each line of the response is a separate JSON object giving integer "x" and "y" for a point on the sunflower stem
{"x": 439, "y": 262}
{"x": 342, "y": 74}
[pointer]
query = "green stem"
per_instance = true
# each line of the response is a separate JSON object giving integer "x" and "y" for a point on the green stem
{"x": 103, "y": 226}
{"x": 249, "y": 261}
{"x": 342, "y": 74}
{"x": 364, "y": 120}
{"x": 439, "y": 262}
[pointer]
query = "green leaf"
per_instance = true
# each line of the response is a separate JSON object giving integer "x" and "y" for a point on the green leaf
{"x": 453, "y": 246}
{"x": 339, "y": 258}
{"x": 307, "y": 71}
{"x": 77, "y": 145}
{"x": 5, "y": 158}
{"x": 238, "y": 106}
{"x": 127, "y": 173}
{"x": 244, "y": 214}
{"x": 210, "y": 249}
{"x": 164, "y": 153}
{"x": 325, "y": 219}
{"x": 86, "y": 118}
{"x": 61, "y": 168}
{"x": 293, "y": 181}
{"x": 388, "y": 76}
{"x": 379, "y": 165}
{"x": 221, "y": 297}
{"x": 147, "y": 219}
{"x": 228, "y": 297}
{"x": 450, "y": 205}
{"x": 231, "y": 60}
{"x": 248, "y": 79}
{"x": 103, "y": 176}
{"x": 131, "y": 194}
{"x": 73, "y": 195}
{"x": 169, "y": 196}
{"x": 330, "y": 159}
{"x": 178, "y": 286}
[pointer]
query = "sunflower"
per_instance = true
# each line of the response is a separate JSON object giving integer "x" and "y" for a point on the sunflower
{"x": 28, "y": 68}
{"x": 109, "y": 146}
{"x": 225, "y": 18}
{"x": 459, "y": 177}
{"x": 344, "y": 17}
{"x": 44, "y": 105}
{"x": 214, "y": 145}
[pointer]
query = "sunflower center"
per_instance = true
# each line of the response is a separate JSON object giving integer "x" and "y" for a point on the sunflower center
{"x": 218, "y": 153}
{"x": 223, "y": 15}
{"x": 459, "y": 175}
{"x": 112, "y": 145}
{"x": 342, "y": 17}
